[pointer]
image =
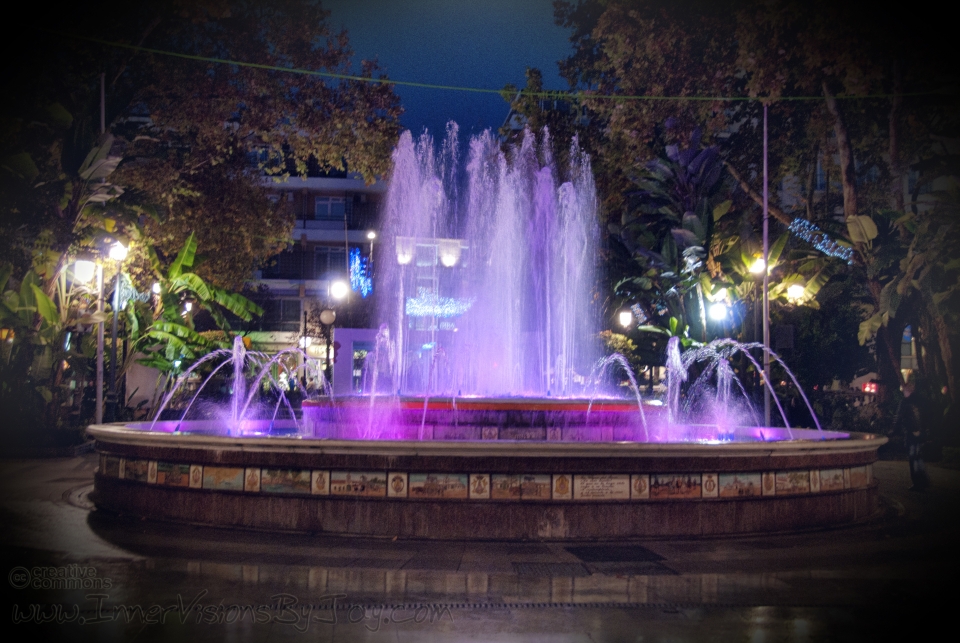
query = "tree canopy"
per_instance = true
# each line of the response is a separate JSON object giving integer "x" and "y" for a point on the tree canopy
{"x": 863, "y": 132}
{"x": 200, "y": 101}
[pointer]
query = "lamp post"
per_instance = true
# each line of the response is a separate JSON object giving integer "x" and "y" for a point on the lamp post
{"x": 766, "y": 278}
{"x": 338, "y": 292}
{"x": 83, "y": 271}
{"x": 118, "y": 252}
{"x": 371, "y": 236}
{"x": 327, "y": 317}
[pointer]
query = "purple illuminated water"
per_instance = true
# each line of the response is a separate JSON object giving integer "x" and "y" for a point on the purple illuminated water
{"x": 486, "y": 290}
{"x": 488, "y": 278}
{"x": 251, "y": 371}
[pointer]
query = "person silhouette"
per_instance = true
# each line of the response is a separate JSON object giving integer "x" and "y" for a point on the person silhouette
{"x": 910, "y": 421}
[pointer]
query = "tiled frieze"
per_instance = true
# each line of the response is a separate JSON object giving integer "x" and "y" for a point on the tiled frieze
{"x": 561, "y": 486}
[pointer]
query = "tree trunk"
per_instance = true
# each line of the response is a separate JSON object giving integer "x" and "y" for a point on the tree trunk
{"x": 811, "y": 177}
{"x": 775, "y": 212}
{"x": 848, "y": 175}
{"x": 896, "y": 172}
{"x": 943, "y": 339}
{"x": 887, "y": 350}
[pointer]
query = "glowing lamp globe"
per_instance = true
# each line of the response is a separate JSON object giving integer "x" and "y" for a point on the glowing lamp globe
{"x": 83, "y": 271}
{"x": 339, "y": 289}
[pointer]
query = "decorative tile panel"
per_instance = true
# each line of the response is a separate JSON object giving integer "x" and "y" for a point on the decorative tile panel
{"x": 710, "y": 486}
{"x": 793, "y": 481}
{"x": 137, "y": 470}
{"x": 535, "y": 487}
{"x": 320, "y": 483}
{"x": 601, "y": 487}
{"x": 223, "y": 478}
{"x": 196, "y": 476}
{"x": 397, "y": 485}
{"x": 769, "y": 484}
{"x": 505, "y": 487}
{"x": 438, "y": 485}
{"x": 831, "y": 479}
{"x": 562, "y": 487}
{"x": 736, "y": 485}
{"x": 251, "y": 480}
{"x": 285, "y": 481}
{"x": 479, "y": 486}
{"x": 675, "y": 486}
{"x": 859, "y": 478}
{"x": 173, "y": 474}
{"x": 152, "y": 472}
{"x": 640, "y": 486}
{"x": 358, "y": 483}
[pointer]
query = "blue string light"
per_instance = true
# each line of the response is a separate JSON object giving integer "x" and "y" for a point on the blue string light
{"x": 818, "y": 239}
{"x": 431, "y": 305}
{"x": 360, "y": 280}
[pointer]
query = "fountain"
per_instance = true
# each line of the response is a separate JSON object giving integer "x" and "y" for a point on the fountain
{"x": 482, "y": 417}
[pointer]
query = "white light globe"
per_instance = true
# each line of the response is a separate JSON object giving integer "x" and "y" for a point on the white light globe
{"x": 339, "y": 289}
{"x": 83, "y": 271}
{"x": 795, "y": 291}
{"x": 718, "y": 311}
{"x": 118, "y": 251}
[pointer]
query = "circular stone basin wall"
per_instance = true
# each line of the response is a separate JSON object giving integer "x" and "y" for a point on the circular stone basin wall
{"x": 488, "y": 489}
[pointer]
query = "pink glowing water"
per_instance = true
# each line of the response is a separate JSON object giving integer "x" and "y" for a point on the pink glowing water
{"x": 485, "y": 287}
{"x": 487, "y": 279}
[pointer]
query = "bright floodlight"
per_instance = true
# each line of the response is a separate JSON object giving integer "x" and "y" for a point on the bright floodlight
{"x": 758, "y": 266}
{"x": 118, "y": 251}
{"x": 156, "y": 288}
{"x": 625, "y": 318}
{"x": 371, "y": 235}
{"x": 795, "y": 291}
{"x": 339, "y": 289}
{"x": 718, "y": 311}
{"x": 83, "y": 270}
{"x": 187, "y": 306}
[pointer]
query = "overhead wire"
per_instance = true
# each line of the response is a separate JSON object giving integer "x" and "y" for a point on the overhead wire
{"x": 550, "y": 94}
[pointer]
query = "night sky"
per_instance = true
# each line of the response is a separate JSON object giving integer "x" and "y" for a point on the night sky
{"x": 476, "y": 43}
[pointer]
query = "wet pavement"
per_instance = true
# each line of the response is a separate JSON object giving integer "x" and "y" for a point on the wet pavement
{"x": 74, "y": 573}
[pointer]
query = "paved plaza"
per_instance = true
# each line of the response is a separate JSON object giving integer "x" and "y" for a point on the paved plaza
{"x": 74, "y": 573}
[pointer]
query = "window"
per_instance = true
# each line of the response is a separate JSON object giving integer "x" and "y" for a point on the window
{"x": 329, "y": 208}
{"x": 282, "y": 315}
{"x": 330, "y": 261}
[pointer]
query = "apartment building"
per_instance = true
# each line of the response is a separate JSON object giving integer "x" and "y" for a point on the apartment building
{"x": 334, "y": 244}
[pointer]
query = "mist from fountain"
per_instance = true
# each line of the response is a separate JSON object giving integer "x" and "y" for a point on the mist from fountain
{"x": 711, "y": 400}
{"x": 486, "y": 290}
{"x": 498, "y": 282}
{"x": 250, "y": 369}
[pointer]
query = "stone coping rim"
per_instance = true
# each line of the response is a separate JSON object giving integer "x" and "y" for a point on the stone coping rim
{"x": 119, "y": 433}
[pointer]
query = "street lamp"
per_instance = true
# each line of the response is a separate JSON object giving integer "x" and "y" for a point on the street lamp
{"x": 718, "y": 311}
{"x": 795, "y": 292}
{"x": 371, "y": 236}
{"x": 625, "y": 318}
{"x": 327, "y": 317}
{"x": 758, "y": 266}
{"x": 118, "y": 252}
{"x": 84, "y": 271}
{"x": 339, "y": 290}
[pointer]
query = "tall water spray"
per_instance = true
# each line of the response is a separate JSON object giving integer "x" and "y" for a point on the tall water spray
{"x": 490, "y": 293}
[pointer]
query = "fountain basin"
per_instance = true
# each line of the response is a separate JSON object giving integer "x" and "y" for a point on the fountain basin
{"x": 490, "y": 489}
